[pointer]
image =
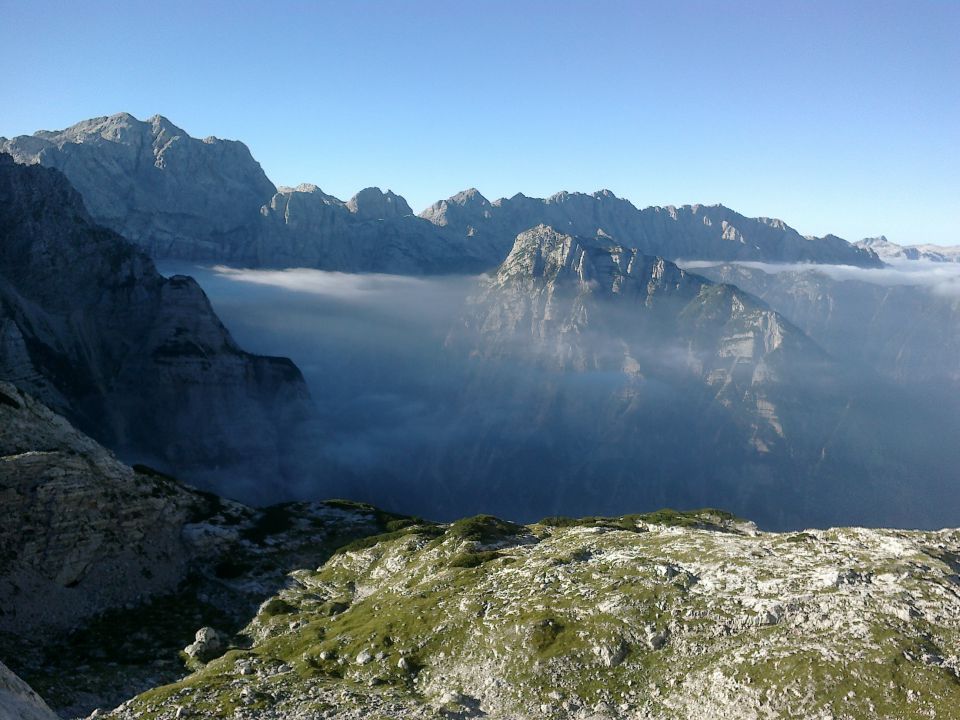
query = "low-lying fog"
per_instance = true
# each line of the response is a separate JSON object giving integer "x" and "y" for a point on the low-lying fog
{"x": 389, "y": 430}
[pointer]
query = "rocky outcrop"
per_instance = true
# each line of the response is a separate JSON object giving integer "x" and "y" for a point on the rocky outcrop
{"x": 107, "y": 571}
{"x": 139, "y": 361}
{"x": 372, "y": 204}
{"x": 82, "y": 532}
{"x": 18, "y": 701}
{"x": 689, "y": 231}
{"x": 684, "y": 616}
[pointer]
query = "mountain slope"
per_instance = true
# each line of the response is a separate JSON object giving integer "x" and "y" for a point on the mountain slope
{"x": 602, "y": 376}
{"x": 597, "y": 377}
{"x": 107, "y": 571}
{"x": 372, "y": 232}
{"x": 82, "y": 531}
{"x": 139, "y": 361}
{"x": 666, "y": 615}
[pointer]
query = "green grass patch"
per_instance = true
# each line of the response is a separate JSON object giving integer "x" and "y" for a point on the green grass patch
{"x": 473, "y": 559}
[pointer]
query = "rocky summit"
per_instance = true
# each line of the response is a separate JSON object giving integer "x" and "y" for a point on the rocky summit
{"x": 665, "y": 615}
{"x": 150, "y": 181}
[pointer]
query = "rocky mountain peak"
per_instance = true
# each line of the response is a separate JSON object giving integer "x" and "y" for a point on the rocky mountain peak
{"x": 595, "y": 265}
{"x": 462, "y": 210}
{"x": 151, "y": 181}
{"x": 471, "y": 196}
{"x": 373, "y": 204}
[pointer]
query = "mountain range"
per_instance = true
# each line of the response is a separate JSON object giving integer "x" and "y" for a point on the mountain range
{"x": 184, "y": 198}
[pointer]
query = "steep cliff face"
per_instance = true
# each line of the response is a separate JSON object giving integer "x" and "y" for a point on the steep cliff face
{"x": 602, "y": 377}
{"x": 174, "y": 195}
{"x": 689, "y": 231}
{"x": 139, "y": 361}
{"x": 590, "y": 306}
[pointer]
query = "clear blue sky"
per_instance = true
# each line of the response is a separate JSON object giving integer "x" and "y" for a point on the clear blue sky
{"x": 836, "y": 116}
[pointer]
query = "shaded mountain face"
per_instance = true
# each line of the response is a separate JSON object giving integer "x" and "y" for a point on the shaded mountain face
{"x": 183, "y": 198}
{"x": 690, "y": 231}
{"x": 139, "y": 361}
{"x": 83, "y": 531}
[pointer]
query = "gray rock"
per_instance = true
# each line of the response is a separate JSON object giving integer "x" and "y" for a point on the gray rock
{"x": 372, "y": 204}
{"x": 207, "y": 645}
{"x": 363, "y": 657}
{"x": 18, "y": 701}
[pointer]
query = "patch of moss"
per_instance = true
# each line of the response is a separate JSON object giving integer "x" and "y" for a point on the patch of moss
{"x": 370, "y": 541}
{"x": 473, "y": 559}
{"x": 484, "y": 529}
{"x": 277, "y": 606}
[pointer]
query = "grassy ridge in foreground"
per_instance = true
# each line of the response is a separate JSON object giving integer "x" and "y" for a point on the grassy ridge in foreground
{"x": 666, "y": 615}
